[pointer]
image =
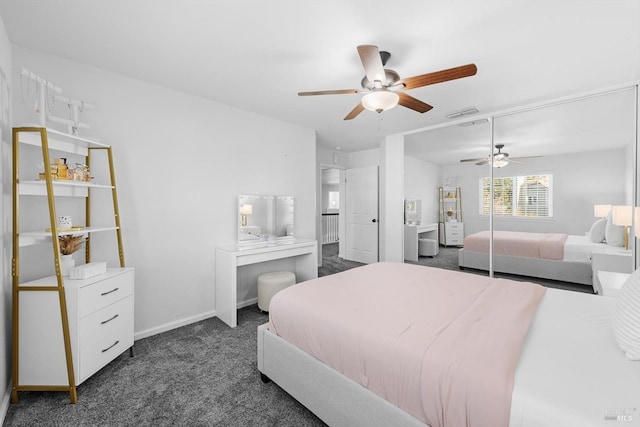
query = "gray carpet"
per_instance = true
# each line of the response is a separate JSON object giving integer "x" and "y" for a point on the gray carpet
{"x": 204, "y": 374}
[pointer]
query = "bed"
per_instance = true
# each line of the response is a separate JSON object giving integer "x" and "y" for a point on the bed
{"x": 569, "y": 371}
{"x": 553, "y": 256}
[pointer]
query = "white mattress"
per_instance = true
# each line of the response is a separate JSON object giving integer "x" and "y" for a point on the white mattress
{"x": 580, "y": 248}
{"x": 571, "y": 371}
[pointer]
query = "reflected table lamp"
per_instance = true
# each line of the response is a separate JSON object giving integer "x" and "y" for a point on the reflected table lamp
{"x": 622, "y": 215}
{"x": 245, "y": 210}
{"x": 601, "y": 211}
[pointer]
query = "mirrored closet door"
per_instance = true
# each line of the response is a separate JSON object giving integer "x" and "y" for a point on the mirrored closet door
{"x": 448, "y": 189}
{"x": 564, "y": 183}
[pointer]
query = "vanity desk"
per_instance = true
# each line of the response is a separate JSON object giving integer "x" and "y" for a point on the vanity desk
{"x": 229, "y": 259}
{"x": 412, "y": 233}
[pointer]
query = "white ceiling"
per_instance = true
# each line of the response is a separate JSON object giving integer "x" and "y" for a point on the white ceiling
{"x": 256, "y": 54}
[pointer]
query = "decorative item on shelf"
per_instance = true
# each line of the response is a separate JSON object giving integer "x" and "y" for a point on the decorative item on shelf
{"x": 65, "y": 221}
{"x": 72, "y": 228}
{"x": 68, "y": 245}
{"x": 61, "y": 168}
{"x": 86, "y": 271}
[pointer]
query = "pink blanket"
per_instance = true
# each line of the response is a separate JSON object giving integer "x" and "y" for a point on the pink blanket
{"x": 517, "y": 243}
{"x": 442, "y": 345}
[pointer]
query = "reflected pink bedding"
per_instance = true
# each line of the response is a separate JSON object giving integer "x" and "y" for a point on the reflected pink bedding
{"x": 442, "y": 345}
{"x": 518, "y": 243}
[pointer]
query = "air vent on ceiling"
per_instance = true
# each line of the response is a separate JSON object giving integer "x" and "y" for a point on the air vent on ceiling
{"x": 461, "y": 113}
{"x": 473, "y": 123}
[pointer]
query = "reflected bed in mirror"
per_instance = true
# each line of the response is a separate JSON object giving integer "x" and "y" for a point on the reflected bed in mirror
{"x": 265, "y": 220}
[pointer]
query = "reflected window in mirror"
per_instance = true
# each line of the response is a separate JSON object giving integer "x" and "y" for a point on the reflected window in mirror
{"x": 527, "y": 196}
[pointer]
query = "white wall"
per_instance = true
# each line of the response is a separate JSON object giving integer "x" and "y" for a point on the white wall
{"x": 364, "y": 158}
{"x": 181, "y": 162}
{"x": 391, "y": 202}
{"x": 421, "y": 181}
{"x": 5, "y": 208}
{"x": 580, "y": 180}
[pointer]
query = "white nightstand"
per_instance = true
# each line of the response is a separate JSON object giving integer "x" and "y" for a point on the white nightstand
{"x": 610, "y": 282}
{"x": 621, "y": 262}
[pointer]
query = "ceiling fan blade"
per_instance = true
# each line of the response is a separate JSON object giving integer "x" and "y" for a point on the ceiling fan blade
{"x": 474, "y": 160}
{"x": 357, "y": 110}
{"x": 329, "y": 92}
{"x": 413, "y": 103}
{"x": 372, "y": 63}
{"x": 482, "y": 162}
{"x": 440, "y": 76}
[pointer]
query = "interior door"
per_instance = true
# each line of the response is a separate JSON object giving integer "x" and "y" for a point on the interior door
{"x": 362, "y": 215}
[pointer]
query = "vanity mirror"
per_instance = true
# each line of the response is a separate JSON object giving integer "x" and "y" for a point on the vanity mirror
{"x": 265, "y": 219}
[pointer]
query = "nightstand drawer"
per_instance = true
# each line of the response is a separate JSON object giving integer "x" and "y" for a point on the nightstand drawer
{"x": 105, "y": 292}
{"x": 104, "y": 335}
{"x": 454, "y": 226}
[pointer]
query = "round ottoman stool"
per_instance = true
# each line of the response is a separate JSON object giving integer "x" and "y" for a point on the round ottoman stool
{"x": 271, "y": 283}
{"x": 427, "y": 247}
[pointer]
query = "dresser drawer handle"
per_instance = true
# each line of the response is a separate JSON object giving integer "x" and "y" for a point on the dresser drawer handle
{"x": 111, "y": 291}
{"x": 109, "y": 320}
{"x": 111, "y": 346}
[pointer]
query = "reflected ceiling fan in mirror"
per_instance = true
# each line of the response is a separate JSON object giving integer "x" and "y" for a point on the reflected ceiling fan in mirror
{"x": 383, "y": 88}
{"x": 500, "y": 159}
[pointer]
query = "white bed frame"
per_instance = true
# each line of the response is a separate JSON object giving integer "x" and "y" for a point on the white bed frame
{"x": 566, "y": 271}
{"x": 334, "y": 398}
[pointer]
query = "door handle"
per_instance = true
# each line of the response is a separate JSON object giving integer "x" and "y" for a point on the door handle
{"x": 374, "y": 220}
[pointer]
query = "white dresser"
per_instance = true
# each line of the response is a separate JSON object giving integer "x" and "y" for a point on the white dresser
{"x": 100, "y": 311}
{"x": 451, "y": 233}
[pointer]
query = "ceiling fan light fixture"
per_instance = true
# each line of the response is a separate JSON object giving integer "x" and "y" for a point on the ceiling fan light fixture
{"x": 380, "y": 100}
{"x": 500, "y": 163}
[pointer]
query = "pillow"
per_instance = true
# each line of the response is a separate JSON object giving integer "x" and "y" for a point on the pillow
{"x": 626, "y": 317}
{"x": 597, "y": 231}
{"x": 613, "y": 234}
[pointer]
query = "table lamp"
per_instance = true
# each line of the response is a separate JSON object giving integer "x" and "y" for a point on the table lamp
{"x": 601, "y": 211}
{"x": 245, "y": 210}
{"x": 622, "y": 215}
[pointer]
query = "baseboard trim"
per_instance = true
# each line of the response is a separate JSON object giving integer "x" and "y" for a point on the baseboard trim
{"x": 173, "y": 325}
{"x": 186, "y": 321}
{"x": 6, "y": 400}
{"x": 247, "y": 303}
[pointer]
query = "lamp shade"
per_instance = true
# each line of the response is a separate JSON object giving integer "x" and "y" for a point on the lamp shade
{"x": 246, "y": 209}
{"x": 380, "y": 100}
{"x": 601, "y": 211}
{"x": 622, "y": 215}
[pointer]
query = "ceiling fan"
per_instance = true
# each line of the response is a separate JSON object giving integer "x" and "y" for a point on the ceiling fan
{"x": 500, "y": 159}
{"x": 383, "y": 88}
